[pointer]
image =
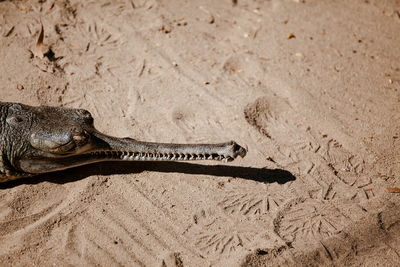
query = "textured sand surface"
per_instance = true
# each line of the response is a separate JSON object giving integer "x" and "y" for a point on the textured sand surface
{"x": 312, "y": 88}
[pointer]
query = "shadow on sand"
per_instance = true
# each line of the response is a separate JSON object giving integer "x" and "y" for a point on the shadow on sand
{"x": 263, "y": 175}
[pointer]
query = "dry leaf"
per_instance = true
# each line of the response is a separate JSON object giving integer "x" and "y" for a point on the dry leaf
{"x": 38, "y": 51}
{"x": 290, "y": 36}
{"x": 393, "y": 190}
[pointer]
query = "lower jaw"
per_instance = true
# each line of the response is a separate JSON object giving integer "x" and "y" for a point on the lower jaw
{"x": 44, "y": 165}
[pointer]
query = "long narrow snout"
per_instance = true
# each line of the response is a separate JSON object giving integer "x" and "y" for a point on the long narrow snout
{"x": 130, "y": 149}
{"x": 101, "y": 147}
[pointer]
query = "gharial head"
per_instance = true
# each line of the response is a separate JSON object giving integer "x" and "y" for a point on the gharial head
{"x": 37, "y": 137}
{"x": 42, "y": 139}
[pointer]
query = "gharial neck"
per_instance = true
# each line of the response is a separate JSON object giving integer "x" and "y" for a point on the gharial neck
{"x": 3, "y": 117}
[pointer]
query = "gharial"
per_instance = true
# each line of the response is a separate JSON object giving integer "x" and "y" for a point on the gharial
{"x": 35, "y": 140}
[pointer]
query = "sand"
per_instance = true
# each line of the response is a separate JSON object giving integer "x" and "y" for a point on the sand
{"x": 312, "y": 88}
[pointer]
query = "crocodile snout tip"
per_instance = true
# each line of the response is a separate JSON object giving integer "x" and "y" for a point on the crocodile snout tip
{"x": 238, "y": 150}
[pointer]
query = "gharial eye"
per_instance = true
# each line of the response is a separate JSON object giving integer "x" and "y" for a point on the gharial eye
{"x": 15, "y": 107}
{"x": 13, "y": 119}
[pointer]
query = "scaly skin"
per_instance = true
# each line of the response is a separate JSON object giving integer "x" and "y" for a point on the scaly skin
{"x": 37, "y": 140}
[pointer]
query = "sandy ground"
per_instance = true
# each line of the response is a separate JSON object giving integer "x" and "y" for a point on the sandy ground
{"x": 312, "y": 88}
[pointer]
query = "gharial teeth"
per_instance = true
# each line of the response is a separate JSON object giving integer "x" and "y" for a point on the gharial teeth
{"x": 130, "y": 155}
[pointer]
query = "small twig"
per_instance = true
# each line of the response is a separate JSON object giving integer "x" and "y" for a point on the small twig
{"x": 143, "y": 67}
{"x": 38, "y": 51}
{"x": 9, "y": 31}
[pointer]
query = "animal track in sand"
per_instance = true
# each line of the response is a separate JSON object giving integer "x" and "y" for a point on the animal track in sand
{"x": 307, "y": 220}
{"x": 253, "y": 201}
{"x": 324, "y": 162}
{"x": 219, "y": 236}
